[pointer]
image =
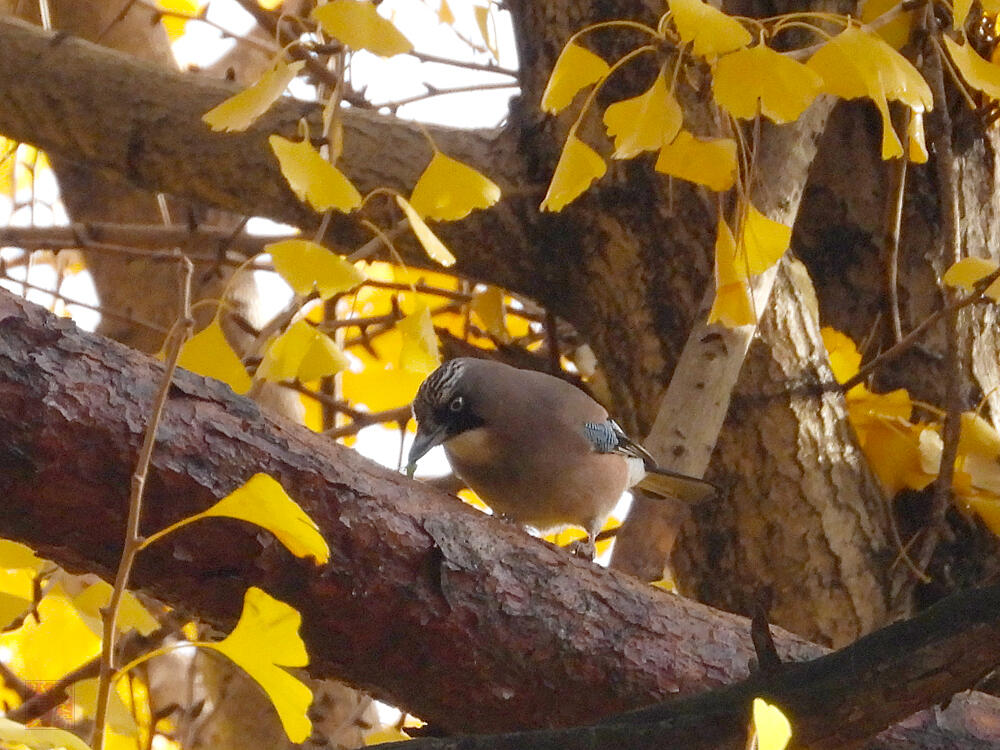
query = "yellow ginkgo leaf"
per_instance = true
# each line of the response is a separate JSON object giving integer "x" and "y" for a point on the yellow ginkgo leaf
{"x": 120, "y": 719}
{"x": 978, "y": 437}
{"x": 712, "y": 31}
{"x": 856, "y": 63}
{"x": 16, "y": 594}
{"x": 575, "y": 69}
{"x": 960, "y": 11}
{"x": 17, "y": 555}
{"x": 732, "y": 305}
{"x": 449, "y": 190}
{"x": 131, "y": 613}
{"x": 645, "y": 122}
{"x": 239, "y": 111}
{"x": 579, "y": 165}
{"x": 208, "y": 353}
{"x": 38, "y": 738}
{"x": 482, "y": 15}
{"x": 845, "y": 359}
{"x": 302, "y": 352}
{"x": 967, "y": 272}
{"x": 897, "y": 31}
{"x": 357, "y": 24}
{"x": 709, "y": 162}
{"x": 432, "y": 245}
{"x": 263, "y": 501}
{"x": 979, "y": 73}
{"x": 772, "y": 726}
{"x": 915, "y": 135}
{"x": 57, "y": 642}
{"x": 306, "y": 265}
{"x": 445, "y": 14}
{"x": 763, "y": 241}
{"x": 488, "y": 306}
{"x": 174, "y": 21}
{"x": 419, "y": 352}
{"x": 381, "y": 389}
{"x": 784, "y": 87}
{"x": 895, "y": 451}
{"x": 265, "y": 640}
{"x": 311, "y": 177}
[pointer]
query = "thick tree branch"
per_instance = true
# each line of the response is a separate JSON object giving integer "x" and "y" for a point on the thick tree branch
{"x": 425, "y": 601}
{"x": 460, "y": 618}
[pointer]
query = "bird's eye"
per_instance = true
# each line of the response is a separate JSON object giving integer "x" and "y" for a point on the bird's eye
{"x": 457, "y": 404}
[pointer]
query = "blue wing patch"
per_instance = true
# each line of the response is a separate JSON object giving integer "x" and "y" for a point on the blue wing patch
{"x": 606, "y": 437}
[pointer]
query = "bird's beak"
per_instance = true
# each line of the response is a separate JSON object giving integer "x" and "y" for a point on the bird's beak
{"x": 426, "y": 438}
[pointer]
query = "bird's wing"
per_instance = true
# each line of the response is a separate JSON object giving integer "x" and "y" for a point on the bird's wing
{"x": 608, "y": 437}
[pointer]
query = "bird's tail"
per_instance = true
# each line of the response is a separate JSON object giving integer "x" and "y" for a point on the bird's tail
{"x": 666, "y": 483}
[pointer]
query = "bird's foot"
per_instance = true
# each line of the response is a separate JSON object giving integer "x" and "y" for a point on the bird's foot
{"x": 584, "y": 548}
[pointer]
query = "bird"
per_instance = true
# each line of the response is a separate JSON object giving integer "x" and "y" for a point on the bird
{"x": 535, "y": 448}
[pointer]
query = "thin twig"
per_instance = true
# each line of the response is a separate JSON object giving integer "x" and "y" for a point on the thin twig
{"x": 104, "y": 311}
{"x": 976, "y": 295}
{"x": 955, "y": 335}
{"x": 400, "y": 415}
{"x": 133, "y": 540}
{"x": 490, "y": 67}
{"x": 433, "y": 91}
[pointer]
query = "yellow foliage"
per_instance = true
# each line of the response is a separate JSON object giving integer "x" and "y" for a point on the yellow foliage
{"x": 131, "y": 613}
{"x": 709, "y": 162}
{"x": 357, "y": 24}
{"x": 208, "y": 353}
{"x": 381, "y": 389}
{"x": 241, "y": 110}
{"x": 646, "y": 122}
{"x": 432, "y": 245}
{"x": 312, "y": 178}
{"x": 575, "y": 69}
{"x": 419, "y": 350}
{"x": 762, "y": 242}
{"x": 967, "y": 272}
{"x": 771, "y": 725}
{"x": 488, "y": 306}
{"x": 449, "y": 190}
{"x": 265, "y": 640}
{"x": 897, "y": 31}
{"x": 918, "y": 153}
{"x": 732, "y": 306}
{"x": 980, "y": 74}
{"x": 783, "y": 87}
{"x": 857, "y": 64}
{"x": 306, "y": 265}
{"x": 45, "y": 651}
{"x": 302, "y": 352}
{"x": 175, "y": 25}
{"x": 579, "y": 165}
{"x": 39, "y": 738}
{"x": 712, "y": 31}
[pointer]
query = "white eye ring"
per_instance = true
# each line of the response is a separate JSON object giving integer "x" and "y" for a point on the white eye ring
{"x": 457, "y": 404}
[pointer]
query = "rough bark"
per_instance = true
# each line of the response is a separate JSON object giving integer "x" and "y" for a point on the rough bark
{"x": 425, "y": 600}
{"x": 452, "y": 614}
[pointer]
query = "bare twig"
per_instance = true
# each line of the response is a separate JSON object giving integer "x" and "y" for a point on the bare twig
{"x": 400, "y": 415}
{"x": 490, "y": 67}
{"x": 133, "y": 541}
{"x": 976, "y": 295}
{"x": 433, "y": 91}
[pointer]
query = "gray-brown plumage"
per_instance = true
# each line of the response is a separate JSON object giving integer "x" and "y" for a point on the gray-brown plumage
{"x": 534, "y": 447}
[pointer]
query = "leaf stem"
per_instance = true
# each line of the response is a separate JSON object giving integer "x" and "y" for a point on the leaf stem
{"x": 133, "y": 541}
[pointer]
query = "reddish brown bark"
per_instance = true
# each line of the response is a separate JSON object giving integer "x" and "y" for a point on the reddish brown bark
{"x": 464, "y": 620}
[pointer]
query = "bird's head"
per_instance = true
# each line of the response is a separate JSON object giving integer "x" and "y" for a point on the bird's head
{"x": 445, "y": 406}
